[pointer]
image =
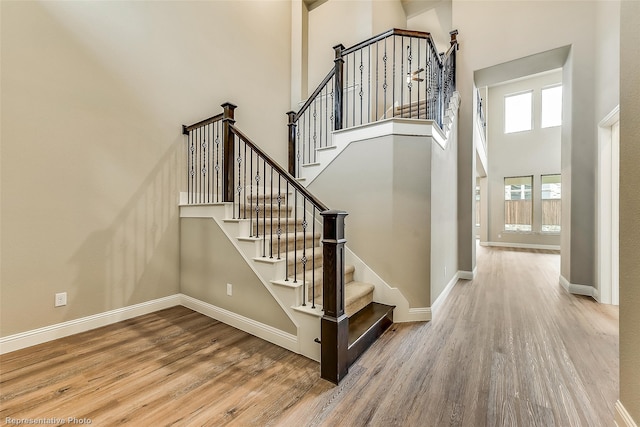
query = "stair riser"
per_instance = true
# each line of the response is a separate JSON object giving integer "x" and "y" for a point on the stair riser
{"x": 287, "y": 246}
{"x": 264, "y": 211}
{"x": 310, "y": 265}
{"x": 273, "y": 229}
{"x": 318, "y": 288}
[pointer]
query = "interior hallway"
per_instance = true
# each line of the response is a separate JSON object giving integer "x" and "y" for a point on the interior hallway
{"x": 509, "y": 348}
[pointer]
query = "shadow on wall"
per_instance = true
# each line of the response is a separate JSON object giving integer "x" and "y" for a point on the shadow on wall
{"x": 135, "y": 259}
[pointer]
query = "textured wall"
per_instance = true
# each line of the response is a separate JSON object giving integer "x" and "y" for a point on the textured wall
{"x": 630, "y": 209}
{"x": 208, "y": 261}
{"x": 93, "y": 98}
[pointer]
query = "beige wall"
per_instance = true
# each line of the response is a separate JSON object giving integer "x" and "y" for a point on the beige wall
{"x": 349, "y": 23}
{"x": 630, "y": 209}
{"x": 444, "y": 210}
{"x": 535, "y": 152}
{"x": 386, "y": 186}
{"x": 435, "y": 20}
{"x": 208, "y": 261}
{"x": 93, "y": 98}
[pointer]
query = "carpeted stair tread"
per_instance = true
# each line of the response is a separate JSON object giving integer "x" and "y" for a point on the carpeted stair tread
{"x": 357, "y": 296}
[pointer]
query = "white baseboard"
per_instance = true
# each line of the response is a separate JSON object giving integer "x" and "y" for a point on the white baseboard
{"x": 467, "y": 275}
{"x": 521, "y": 245}
{"x": 445, "y": 293}
{"x": 577, "y": 289}
{"x": 61, "y": 330}
{"x": 622, "y": 417}
{"x": 250, "y": 326}
{"x": 49, "y": 333}
{"x": 417, "y": 314}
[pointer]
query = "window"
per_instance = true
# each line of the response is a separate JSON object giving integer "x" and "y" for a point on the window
{"x": 551, "y": 107}
{"x": 518, "y": 212}
{"x": 518, "y": 112}
{"x": 551, "y": 203}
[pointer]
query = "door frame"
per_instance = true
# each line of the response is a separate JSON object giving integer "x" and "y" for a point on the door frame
{"x": 608, "y": 217}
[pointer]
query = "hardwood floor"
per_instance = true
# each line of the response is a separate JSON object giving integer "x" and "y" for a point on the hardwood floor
{"x": 509, "y": 348}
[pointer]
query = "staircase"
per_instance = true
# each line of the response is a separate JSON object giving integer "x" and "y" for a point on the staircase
{"x": 292, "y": 241}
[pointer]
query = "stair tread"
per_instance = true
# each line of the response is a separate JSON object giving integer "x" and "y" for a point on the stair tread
{"x": 365, "y": 319}
{"x": 354, "y": 290}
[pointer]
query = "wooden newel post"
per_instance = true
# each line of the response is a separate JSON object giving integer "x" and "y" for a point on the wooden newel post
{"x": 292, "y": 142}
{"x": 454, "y": 37}
{"x": 334, "y": 334}
{"x": 337, "y": 89}
{"x": 228, "y": 152}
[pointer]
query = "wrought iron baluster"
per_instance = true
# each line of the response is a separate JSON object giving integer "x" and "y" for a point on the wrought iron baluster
{"x": 402, "y": 75}
{"x": 393, "y": 79}
{"x": 418, "y": 79}
{"x": 295, "y": 236}
{"x": 315, "y": 135}
{"x": 264, "y": 207}
{"x": 304, "y": 251}
{"x": 377, "y": 78}
{"x": 369, "y": 84}
{"x": 217, "y": 162}
{"x": 257, "y": 178}
{"x": 354, "y": 89}
{"x": 384, "y": 84}
{"x": 286, "y": 239}
{"x": 251, "y": 194}
{"x": 189, "y": 156}
{"x": 345, "y": 93}
{"x": 239, "y": 160}
{"x": 271, "y": 216}
{"x": 279, "y": 213}
{"x": 298, "y": 144}
{"x": 244, "y": 184}
{"x": 361, "y": 92}
{"x": 313, "y": 257}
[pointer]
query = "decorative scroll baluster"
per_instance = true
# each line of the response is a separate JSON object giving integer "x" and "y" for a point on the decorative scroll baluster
{"x": 286, "y": 233}
{"x": 279, "y": 215}
{"x": 271, "y": 217}
{"x": 384, "y": 85}
{"x": 313, "y": 257}
{"x": 264, "y": 207}
{"x": 295, "y": 240}
{"x": 303, "y": 259}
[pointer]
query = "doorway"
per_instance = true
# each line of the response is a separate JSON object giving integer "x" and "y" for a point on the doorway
{"x": 608, "y": 207}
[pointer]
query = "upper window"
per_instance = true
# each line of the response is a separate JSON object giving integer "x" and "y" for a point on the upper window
{"x": 518, "y": 112}
{"x": 551, "y": 107}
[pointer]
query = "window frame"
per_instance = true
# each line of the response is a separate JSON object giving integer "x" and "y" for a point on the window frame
{"x": 542, "y": 199}
{"x": 531, "y": 111}
{"x": 505, "y": 200}
{"x": 553, "y": 86}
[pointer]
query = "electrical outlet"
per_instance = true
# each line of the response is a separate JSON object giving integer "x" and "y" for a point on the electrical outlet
{"x": 61, "y": 299}
{"x": 229, "y": 289}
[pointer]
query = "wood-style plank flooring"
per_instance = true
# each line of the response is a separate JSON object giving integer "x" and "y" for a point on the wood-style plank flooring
{"x": 509, "y": 348}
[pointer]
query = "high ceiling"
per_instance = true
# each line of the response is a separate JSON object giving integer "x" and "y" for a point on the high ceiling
{"x": 411, "y": 7}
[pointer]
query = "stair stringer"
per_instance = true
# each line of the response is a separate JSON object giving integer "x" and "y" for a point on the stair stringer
{"x": 287, "y": 295}
{"x": 385, "y": 293}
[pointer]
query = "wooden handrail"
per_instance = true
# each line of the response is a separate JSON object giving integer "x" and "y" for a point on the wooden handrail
{"x": 315, "y": 93}
{"x": 290, "y": 178}
{"x": 389, "y": 33}
{"x": 216, "y": 118}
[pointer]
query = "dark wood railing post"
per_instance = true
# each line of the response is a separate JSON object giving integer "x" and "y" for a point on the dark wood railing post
{"x": 335, "y": 323}
{"x": 292, "y": 142}
{"x": 337, "y": 90}
{"x": 228, "y": 152}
